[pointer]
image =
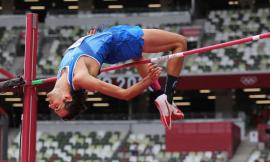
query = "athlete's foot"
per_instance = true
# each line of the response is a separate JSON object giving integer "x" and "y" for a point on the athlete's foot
{"x": 164, "y": 109}
{"x": 177, "y": 114}
{"x": 167, "y": 111}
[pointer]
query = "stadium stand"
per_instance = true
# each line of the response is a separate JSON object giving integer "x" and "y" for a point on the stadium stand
{"x": 108, "y": 143}
{"x": 260, "y": 156}
{"x": 56, "y": 40}
{"x": 220, "y": 26}
{"x": 9, "y": 37}
{"x": 73, "y": 146}
{"x": 224, "y": 25}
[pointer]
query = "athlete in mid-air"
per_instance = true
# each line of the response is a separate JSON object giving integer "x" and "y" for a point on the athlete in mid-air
{"x": 83, "y": 59}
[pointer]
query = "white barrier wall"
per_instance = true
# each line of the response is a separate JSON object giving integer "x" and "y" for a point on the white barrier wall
{"x": 12, "y": 20}
{"x": 154, "y": 18}
{"x": 146, "y": 19}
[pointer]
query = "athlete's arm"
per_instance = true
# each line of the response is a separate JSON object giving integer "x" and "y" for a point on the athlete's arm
{"x": 88, "y": 82}
{"x": 143, "y": 70}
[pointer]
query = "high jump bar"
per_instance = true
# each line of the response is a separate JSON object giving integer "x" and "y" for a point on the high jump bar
{"x": 175, "y": 55}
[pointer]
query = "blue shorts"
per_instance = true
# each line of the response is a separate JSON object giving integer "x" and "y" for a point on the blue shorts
{"x": 127, "y": 43}
{"x": 114, "y": 45}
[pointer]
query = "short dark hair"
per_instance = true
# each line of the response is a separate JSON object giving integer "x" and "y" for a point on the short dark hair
{"x": 77, "y": 105}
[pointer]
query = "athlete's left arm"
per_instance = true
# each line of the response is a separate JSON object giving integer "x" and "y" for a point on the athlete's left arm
{"x": 91, "y": 83}
{"x": 83, "y": 80}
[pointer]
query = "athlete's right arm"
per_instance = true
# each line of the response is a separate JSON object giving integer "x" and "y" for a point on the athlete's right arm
{"x": 93, "y": 84}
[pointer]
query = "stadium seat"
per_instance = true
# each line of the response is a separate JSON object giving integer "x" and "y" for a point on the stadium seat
{"x": 65, "y": 146}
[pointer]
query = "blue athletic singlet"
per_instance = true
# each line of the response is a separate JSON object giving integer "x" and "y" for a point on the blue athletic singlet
{"x": 116, "y": 44}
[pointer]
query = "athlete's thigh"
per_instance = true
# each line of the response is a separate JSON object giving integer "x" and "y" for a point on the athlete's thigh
{"x": 156, "y": 40}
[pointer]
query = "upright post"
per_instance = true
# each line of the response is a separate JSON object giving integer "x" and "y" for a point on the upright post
{"x": 29, "y": 117}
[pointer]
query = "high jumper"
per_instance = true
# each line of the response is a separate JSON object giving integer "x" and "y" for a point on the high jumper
{"x": 83, "y": 59}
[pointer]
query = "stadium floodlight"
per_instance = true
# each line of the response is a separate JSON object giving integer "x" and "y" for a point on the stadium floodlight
{"x": 73, "y": 7}
{"x": 42, "y": 93}
{"x": 211, "y": 97}
{"x": 205, "y": 91}
{"x": 7, "y": 94}
{"x": 90, "y": 93}
{"x": 13, "y": 99}
{"x": 37, "y": 7}
{"x": 17, "y": 105}
{"x": 257, "y": 96}
{"x": 263, "y": 102}
{"x": 101, "y": 104}
{"x": 182, "y": 103}
{"x": 177, "y": 98}
{"x": 154, "y": 5}
{"x": 94, "y": 99}
{"x": 115, "y": 6}
{"x": 233, "y": 2}
{"x": 252, "y": 90}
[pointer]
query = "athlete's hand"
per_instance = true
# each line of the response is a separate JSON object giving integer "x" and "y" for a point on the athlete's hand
{"x": 154, "y": 71}
{"x": 92, "y": 31}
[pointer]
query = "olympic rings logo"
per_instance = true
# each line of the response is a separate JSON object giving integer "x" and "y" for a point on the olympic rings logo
{"x": 248, "y": 80}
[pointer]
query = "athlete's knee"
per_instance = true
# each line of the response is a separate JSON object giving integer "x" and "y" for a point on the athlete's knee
{"x": 181, "y": 43}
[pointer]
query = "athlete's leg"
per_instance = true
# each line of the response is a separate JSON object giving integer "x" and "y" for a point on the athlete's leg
{"x": 162, "y": 41}
{"x": 156, "y": 40}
